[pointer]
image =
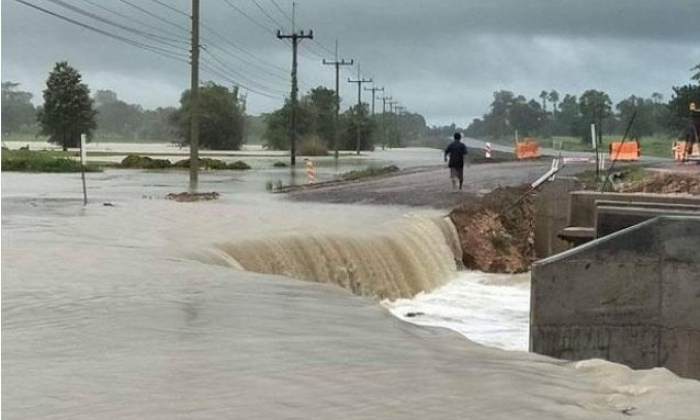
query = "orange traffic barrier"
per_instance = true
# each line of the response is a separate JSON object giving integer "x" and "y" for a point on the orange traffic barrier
{"x": 682, "y": 150}
{"x": 628, "y": 151}
{"x": 527, "y": 149}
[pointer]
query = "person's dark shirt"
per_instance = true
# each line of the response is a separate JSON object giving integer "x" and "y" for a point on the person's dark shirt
{"x": 456, "y": 150}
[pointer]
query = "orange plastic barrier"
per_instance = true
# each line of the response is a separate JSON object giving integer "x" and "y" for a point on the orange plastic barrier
{"x": 682, "y": 151}
{"x": 628, "y": 151}
{"x": 527, "y": 149}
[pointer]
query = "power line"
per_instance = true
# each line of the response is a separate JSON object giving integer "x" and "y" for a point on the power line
{"x": 229, "y": 69}
{"x": 242, "y": 76}
{"x": 277, "y": 6}
{"x": 142, "y": 10}
{"x": 250, "y": 18}
{"x": 169, "y": 7}
{"x": 265, "y": 69}
{"x": 273, "y": 20}
{"x": 154, "y": 49}
{"x": 223, "y": 76}
{"x": 244, "y": 51}
{"x": 131, "y": 19}
{"x": 153, "y": 37}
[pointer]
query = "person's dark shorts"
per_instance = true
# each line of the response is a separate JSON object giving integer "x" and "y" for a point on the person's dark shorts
{"x": 457, "y": 173}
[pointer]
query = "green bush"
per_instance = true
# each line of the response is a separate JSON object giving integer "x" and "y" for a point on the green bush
{"x": 145, "y": 162}
{"x": 40, "y": 161}
{"x": 204, "y": 163}
{"x": 238, "y": 165}
{"x": 279, "y": 164}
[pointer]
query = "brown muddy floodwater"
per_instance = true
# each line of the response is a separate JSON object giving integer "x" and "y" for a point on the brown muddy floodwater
{"x": 145, "y": 310}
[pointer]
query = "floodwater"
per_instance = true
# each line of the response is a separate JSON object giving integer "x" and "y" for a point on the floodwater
{"x": 150, "y": 309}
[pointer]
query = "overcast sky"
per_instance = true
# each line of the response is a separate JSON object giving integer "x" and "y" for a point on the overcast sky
{"x": 440, "y": 58}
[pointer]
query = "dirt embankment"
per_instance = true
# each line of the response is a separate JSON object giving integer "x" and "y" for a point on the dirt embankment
{"x": 497, "y": 231}
{"x": 665, "y": 183}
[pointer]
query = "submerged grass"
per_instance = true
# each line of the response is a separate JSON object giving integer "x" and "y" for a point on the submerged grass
{"x": 24, "y": 160}
{"x": 369, "y": 172}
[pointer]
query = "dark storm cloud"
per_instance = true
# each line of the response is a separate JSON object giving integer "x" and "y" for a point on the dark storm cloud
{"x": 442, "y": 58}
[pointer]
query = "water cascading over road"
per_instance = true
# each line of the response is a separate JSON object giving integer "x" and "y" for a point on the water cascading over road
{"x": 418, "y": 255}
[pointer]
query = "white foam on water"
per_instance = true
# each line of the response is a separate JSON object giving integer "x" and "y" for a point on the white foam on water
{"x": 490, "y": 309}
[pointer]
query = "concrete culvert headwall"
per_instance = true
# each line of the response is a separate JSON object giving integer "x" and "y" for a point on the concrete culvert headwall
{"x": 632, "y": 297}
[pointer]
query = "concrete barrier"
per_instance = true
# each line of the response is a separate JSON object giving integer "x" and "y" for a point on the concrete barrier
{"x": 582, "y": 223}
{"x": 632, "y": 297}
{"x": 613, "y": 216}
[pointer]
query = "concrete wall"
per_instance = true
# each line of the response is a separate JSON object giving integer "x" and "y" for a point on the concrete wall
{"x": 552, "y": 215}
{"x": 612, "y": 216}
{"x": 632, "y": 297}
{"x": 582, "y": 203}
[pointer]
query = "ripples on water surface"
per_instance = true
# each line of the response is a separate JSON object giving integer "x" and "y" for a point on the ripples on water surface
{"x": 116, "y": 312}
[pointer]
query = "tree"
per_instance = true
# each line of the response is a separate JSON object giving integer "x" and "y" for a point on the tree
{"x": 222, "y": 116}
{"x": 496, "y": 122}
{"x": 544, "y": 96}
{"x": 527, "y": 117}
{"x": 568, "y": 119}
{"x": 68, "y": 110}
{"x": 158, "y": 124}
{"x": 644, "y": 121}
{"x": 116, "y": 117}
{"x": 322, "y": 106}
{"x": 17, "y": 108}
{"x": 679, "y": 106}
{"x": 277, "y": 134}
{"x": 354, "y": 117}
{"x": 696, "y": 76}
{"x": 553, "y": 97}
{"x": 595, "y": 107}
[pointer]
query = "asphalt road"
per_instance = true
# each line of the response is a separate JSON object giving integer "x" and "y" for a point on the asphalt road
{"x": 429, "y": 186}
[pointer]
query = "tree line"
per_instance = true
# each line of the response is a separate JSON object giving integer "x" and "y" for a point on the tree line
{"x": 552, "y": 114}
{"x": 316, "y": 125}
{"x": 69, "y": 110}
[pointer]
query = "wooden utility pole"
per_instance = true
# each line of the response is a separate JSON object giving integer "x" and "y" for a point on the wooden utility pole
{"x": 384, "y": 99}
{"x": 337, "y": 65}
{"x": 359, "y": 82}
{"x": 194, "y": 99}
{"x": 374, "y": 91}
{"x": 391, "y": 111}
{"x": 295, "y": 37}
{"x": 398, "y": 110}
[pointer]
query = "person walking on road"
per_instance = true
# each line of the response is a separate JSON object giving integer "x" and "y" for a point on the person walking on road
{"x": 457, "y": 150}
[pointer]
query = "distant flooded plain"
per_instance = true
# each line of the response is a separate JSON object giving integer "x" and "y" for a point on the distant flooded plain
{"x": 253, "y": 306}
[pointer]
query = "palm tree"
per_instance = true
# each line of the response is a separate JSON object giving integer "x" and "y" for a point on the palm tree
{"x": 544, "y": 95}
{"x": 553, "y": 97}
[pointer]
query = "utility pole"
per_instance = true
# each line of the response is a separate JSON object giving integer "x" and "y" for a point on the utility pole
{"x": 295, "y": 37}
{"x": 337, "y": 65}
{"x": 391, "y": 111}
{"x": 194, "y": 99}
{"x": 399, "y": 110}
{"x": 374, "y": 90}
{"x": 359, "y": 82}
{"x": 384, "y": 99}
